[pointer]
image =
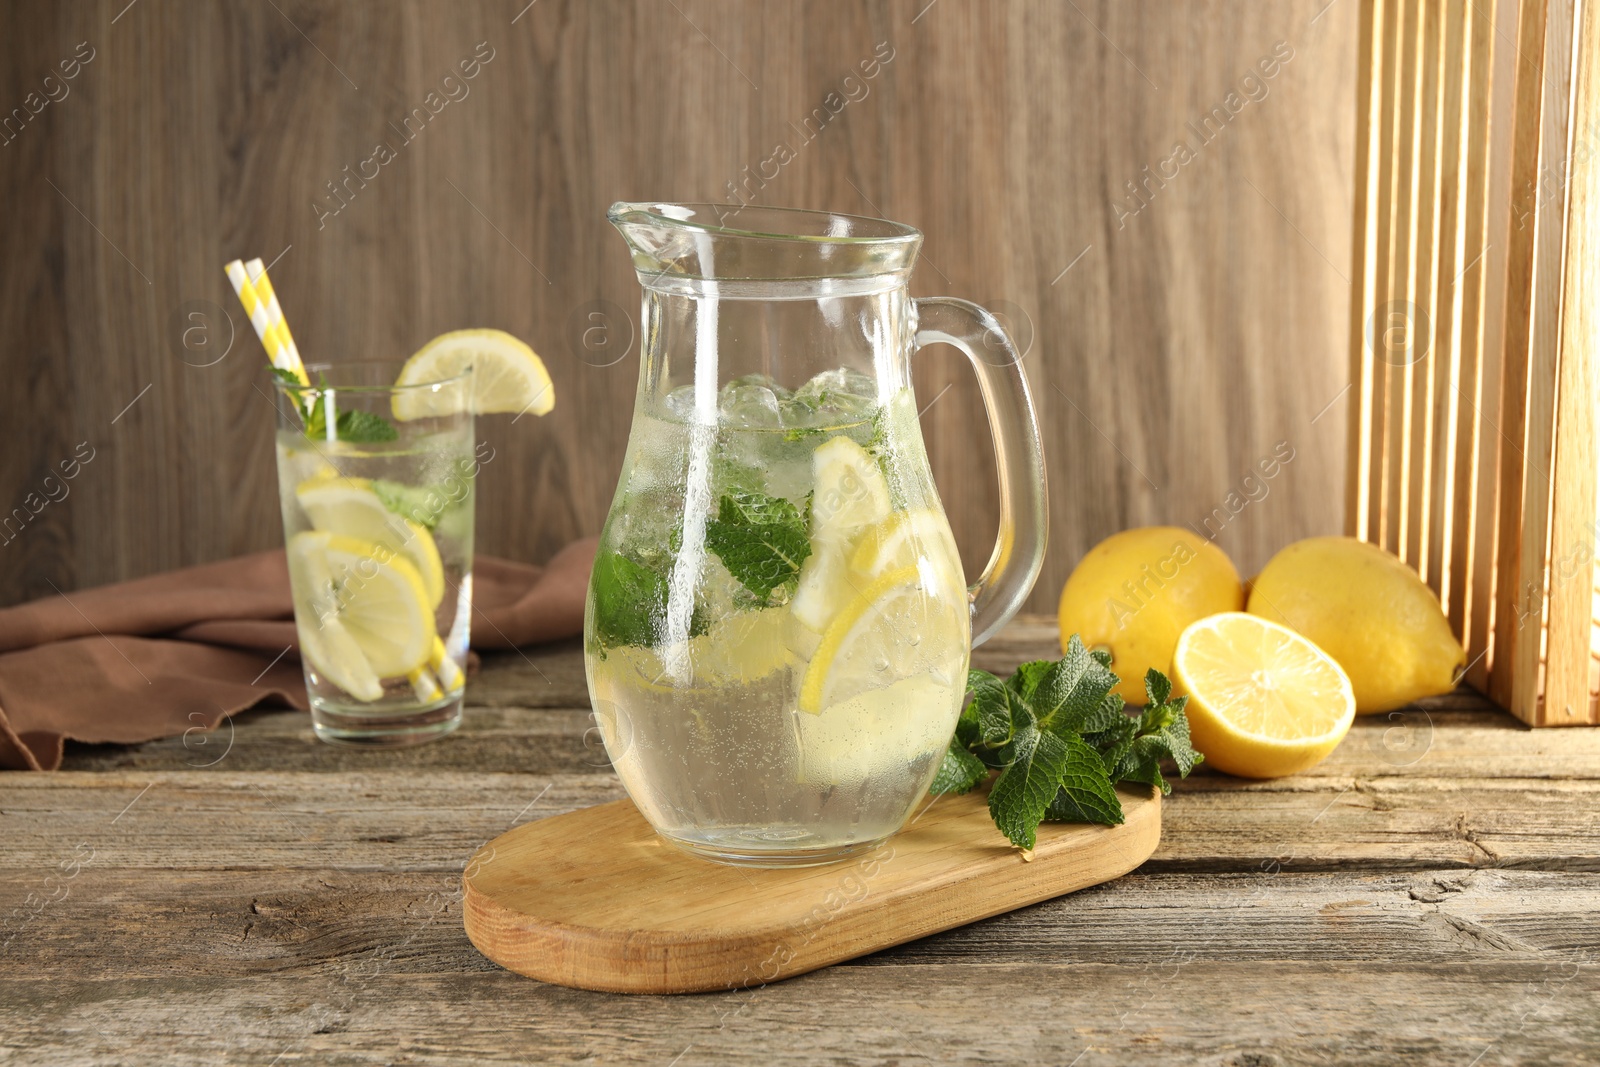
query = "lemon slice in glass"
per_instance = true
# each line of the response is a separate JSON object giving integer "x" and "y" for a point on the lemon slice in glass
{"x": 350, "y": 508}
{"x": 507, "y": 376}
{"x": 1263, "y": 701}
{"x": 330, "y": 649}
{"x": 372, "y": 593}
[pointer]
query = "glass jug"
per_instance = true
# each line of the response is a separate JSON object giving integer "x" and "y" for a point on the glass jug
{"x": 778, "y": 627}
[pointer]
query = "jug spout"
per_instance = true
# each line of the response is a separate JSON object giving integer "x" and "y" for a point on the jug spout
{"x": 728, "y": 242}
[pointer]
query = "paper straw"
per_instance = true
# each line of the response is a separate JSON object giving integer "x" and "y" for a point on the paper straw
{"x": 275, "y": 319}
{"x": 274, "y": 335}
{"x": 257, "y": 310}
{"x": 445, "y": 667}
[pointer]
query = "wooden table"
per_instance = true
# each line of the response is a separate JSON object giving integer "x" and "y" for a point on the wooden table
{"x": 1427, "y": 895}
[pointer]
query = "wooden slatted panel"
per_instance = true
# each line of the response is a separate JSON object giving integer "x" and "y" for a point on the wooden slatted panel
{"x": 1533, "y": 297}
{"x": 1444, "y": 358}
{"x": 1496, "y": 27}
{"x": 1573, "y": 520}
{"x": 1473, "y": 450}
{"x": 1423, "y": 356}
{"x": 1396, "y": 312}
{"x": 1374, "y": 332}
{"x": 1514, "y": 370}
{"x": 1364, "y": 259}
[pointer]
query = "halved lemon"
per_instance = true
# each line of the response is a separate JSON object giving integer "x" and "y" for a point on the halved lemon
{"x": 1264, "y": 702}
{"x": 369, "y": 591}
{"x": 350, "y": 508}
{"x": 507, "y": 376}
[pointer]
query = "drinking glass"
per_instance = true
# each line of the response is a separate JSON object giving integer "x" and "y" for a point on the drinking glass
{"x": 378, "y": 524}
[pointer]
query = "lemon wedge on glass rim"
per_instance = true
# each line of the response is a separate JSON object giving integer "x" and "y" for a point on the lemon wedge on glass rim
{"x": 508, "y": 377}
{"x": 365, "y": 606}
{"x": 1264, "y": 702}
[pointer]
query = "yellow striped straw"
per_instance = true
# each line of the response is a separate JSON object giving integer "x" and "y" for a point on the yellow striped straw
{"x": 445, "y": 667}
{"x": 424, "y": 685}
{"x": 275, "y": 319}
{"x": 257, "y": 310}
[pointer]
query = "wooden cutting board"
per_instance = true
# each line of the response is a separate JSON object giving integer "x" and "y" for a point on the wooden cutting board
{"x": 595, "y": 899}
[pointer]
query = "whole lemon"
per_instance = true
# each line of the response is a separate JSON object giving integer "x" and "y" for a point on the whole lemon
{"x": 1136, "y": 591}
{"x": 1367, "y": 610}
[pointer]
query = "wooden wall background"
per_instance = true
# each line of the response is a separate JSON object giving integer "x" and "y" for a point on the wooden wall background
{"x": 1172, "y": 347}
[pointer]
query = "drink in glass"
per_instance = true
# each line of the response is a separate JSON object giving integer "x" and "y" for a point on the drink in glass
{"x": 375, "y": 482}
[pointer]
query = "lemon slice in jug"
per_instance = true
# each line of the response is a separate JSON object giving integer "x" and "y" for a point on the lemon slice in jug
{"x": 863, "y": 643}
{"x": 850, "y": 495}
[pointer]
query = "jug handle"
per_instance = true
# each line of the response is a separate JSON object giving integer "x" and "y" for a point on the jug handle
{"x": 1019, "y": 460}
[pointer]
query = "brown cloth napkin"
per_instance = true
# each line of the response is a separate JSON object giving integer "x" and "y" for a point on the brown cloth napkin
{"x": 179, "y": 651}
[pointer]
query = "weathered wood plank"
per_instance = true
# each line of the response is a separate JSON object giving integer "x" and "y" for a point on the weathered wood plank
{"x": 431, "y": 820}
{"x": 1255, "y": 1012}
{"x": 1460, "y": 735}
{"x": 528, "y": 713}
{"x": 324, "y": 923}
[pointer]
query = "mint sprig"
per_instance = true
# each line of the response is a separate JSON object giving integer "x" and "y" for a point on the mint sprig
{"x": 356, "y": 426}
{"x": 1061, "y": 741}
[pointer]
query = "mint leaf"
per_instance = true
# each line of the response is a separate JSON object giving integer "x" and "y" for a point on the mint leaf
{"x": 959, "y": 771}
{"x": 994, "y": 708}
{"x": 1027, "y": 677}
{"x": 420, "y": 504}
{"x": 1115, "y": 741}
{"x": 967, "y": 726}
{"x": 1106, "y": 717}
{"x": 761, "y": 539}
{"x": 1163, "y": 733}
{"x": 1087, "y": 794}
{"x": 1025, "y": 789}
{"x": 364, "y": 426}
{"x": 360, "y": 426}
{"x": 630, "y": 600}
{"x": 1070, "y": 691}
{"x": 1157, "y": 687}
